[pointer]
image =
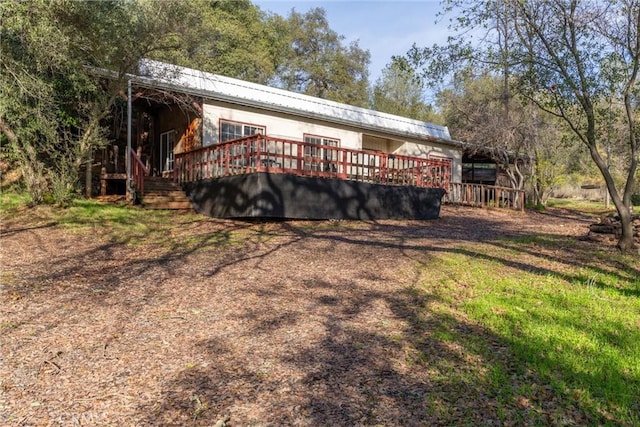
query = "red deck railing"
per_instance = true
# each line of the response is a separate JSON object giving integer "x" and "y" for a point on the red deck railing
{"x": 260, "y": 153}
{"x": 481, "y": 195}
{"x": 138, "y": 172}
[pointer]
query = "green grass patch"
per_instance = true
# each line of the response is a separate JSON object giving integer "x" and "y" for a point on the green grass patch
{"x": 121, "y": 223}
{"x": 571, "y": 329}
{"x": 11, "y": 202}
{"x": 584, "y": 206}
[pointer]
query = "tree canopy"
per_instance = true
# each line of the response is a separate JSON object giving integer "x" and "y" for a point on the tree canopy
{"x": 318, "y": 63}
{"x": 232, "y": 38}
{"x": 400, "y": 91}
{"x": 53, "y": 105}
{"x": 567, "y": 57}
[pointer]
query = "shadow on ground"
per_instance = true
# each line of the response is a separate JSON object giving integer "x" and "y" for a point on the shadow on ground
{"x": 320, "y": 348}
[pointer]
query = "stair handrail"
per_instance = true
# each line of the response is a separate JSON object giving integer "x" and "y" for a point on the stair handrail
{"x": 138, "y": 172}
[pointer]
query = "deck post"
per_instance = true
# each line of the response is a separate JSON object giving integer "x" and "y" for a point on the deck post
{"x": 343, "y": 175}
{"x": 383, "y": 169}
{"x": 247, "y": 154}
{"x": 128, "y": 157}
{"x": 259, "y": 153}
{"x": 300, "y": 160}
{"x": 226, "y": 160}
{"x": 103, "y": 181}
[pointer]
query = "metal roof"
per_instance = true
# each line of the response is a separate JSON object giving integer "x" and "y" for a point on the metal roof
{"x": 216, "y": 87}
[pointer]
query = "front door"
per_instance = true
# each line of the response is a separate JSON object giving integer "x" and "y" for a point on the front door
{"x": 167, "y": 144}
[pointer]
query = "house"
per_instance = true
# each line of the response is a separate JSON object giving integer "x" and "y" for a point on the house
{"x": 241, "y": 149}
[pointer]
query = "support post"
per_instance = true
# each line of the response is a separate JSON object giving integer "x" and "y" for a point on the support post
{"x": 128, "y": 156}
{"x": 103, "y": 181}
{"x": 88, "y": 177}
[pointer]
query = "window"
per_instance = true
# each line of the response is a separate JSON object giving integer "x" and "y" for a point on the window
{"x": 234, "y": 130}
{"x": 322, "y": 152}
{"x": 481, "y": 173}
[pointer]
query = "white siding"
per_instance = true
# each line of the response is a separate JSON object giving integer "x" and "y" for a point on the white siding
{"x": 277, "y": 125}
{"x": 435, "y": 150}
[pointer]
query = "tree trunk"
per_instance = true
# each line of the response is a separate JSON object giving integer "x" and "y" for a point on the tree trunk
{"x": 88, "y": 178}
{"x": 626, "y": 242}
{"x": 8, "y": 132}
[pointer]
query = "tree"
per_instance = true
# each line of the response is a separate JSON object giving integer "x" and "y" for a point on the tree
{"x": 474, "y": 112}
{"x": 520, "y": 143}
{"x": 568, "y": 57}
{"x": 53, "y": 102}
{"x": 231, "y": 38}
{"x": 319, "y": 64}
{"x": 400, "y": 91}
{"x": 32, "y": 48}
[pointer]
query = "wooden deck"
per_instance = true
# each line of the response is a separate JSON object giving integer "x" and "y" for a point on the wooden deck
{"x": 275, "y": 155}
{"x": 260, "y": 154}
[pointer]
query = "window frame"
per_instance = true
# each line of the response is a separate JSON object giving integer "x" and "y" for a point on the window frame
{"x": 324, "y": 155}
{"x": 258, "y": 127}
{"x": 324, "y": 140}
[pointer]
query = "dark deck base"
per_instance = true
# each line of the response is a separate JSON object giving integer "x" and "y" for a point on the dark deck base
{"x": 265, "y": 195}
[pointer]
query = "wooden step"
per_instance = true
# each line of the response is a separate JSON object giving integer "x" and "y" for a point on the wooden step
{"x": 163, "y": 193}
{"x": 175, "y": 205}
{"x": 152, "y": 185}
{"x": 167, "y": 204}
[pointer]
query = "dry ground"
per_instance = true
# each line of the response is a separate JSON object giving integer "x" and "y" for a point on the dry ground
{"x": 285, "y": 323}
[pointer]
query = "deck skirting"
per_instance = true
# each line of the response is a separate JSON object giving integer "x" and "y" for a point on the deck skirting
{"x": 271, "y": 195}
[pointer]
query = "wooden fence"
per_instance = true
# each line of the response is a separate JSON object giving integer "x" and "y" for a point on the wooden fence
{"x": 481, "y": 195}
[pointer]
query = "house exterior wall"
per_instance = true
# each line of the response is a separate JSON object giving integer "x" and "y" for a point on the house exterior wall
{"x": 277, "y": 124}
{"x": 172, "y": 119}
{"x": 293, "y": 127}
{"x": 435, "y": 151}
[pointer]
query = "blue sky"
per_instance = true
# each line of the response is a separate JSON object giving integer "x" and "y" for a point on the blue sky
{"x": 384, "y": 27}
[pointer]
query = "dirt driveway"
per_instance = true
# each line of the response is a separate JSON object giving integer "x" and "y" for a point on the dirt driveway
{"x": 286, "y": 323}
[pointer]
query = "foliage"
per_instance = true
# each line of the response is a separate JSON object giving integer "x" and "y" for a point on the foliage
{"x": 400, "y": 91}
{"x": 27, "y": 115}
{"x": 232, "y": 38}
{"x": 525, "y": 143}
{"x": 53, "y": 104}
{"x": 299, "y": 52}
{"x": 319, "y": 64}
{"x": 571, "y": 59}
